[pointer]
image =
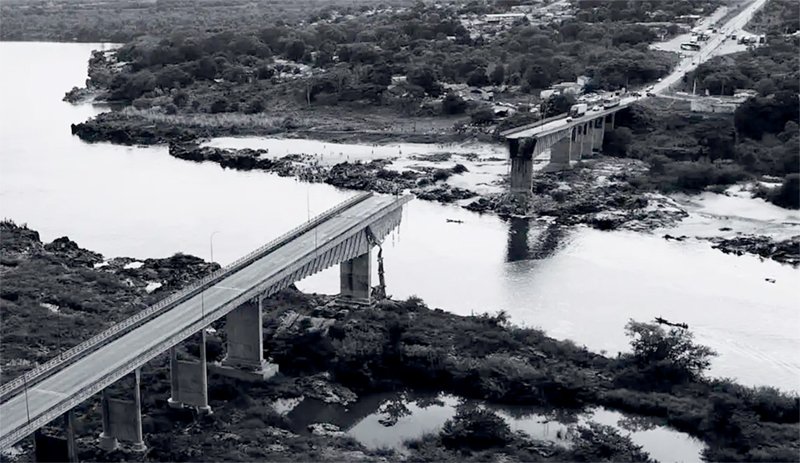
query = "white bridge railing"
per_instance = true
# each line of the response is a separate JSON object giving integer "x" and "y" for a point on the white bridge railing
{"x": 41, "y": 371}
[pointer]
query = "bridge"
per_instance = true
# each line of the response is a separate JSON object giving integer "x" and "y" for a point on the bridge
{"x": 567, "y": 138}
{"x": 343, "y": 235}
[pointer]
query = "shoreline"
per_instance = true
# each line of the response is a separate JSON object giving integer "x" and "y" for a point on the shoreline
{"x": 493, "y": 360}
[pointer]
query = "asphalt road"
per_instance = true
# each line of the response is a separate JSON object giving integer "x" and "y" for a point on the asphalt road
{"x": 733, "y": 26}
{"x": 60, "y": 386}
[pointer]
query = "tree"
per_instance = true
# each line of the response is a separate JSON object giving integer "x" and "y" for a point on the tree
{"x": 206, "y": 68}
{"x": 478, "y": 78}
{"x": 788, "y": 194}
{"x": 557, "y": 104}
{"x": 256, "y": 105}
{"x": 482, "y": 116}
{"x": 425, "y": 78}
{"x": 498, "y": 74}
{"x": 453, "y": 104}
{"x": 219, "y": 106}
{"x": 617, "y": 141}
{"x": 295, "y": 50}
{"x": 674, "y": 349}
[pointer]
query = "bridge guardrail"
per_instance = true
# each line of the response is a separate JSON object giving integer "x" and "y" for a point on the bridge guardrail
{"x": 35, "y": 374}
{"x": 109, "y": 378}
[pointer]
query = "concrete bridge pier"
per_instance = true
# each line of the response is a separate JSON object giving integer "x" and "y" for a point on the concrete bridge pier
{"x": 355, "y": 279}
{"x": 245, "y": 356}
{"x": 576, "y": 143}
{"x": 521, "y": 155}
{"x": 560, "y": 154}
{"x": 587, "y": 139}
{"x": 598, "y": 132}
{"x": 56, "y": 449}
{"x": 189, "y": 380}
{"x": 122, "y": 419}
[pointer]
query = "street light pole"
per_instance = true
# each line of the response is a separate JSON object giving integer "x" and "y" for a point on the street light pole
{"x": 203, "y": 292}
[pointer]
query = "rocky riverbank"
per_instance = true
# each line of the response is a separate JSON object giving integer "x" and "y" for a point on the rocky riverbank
{"x": 55, "y": 295}
{"x": 597, "y": 192}
{"x": 783, "y": 251}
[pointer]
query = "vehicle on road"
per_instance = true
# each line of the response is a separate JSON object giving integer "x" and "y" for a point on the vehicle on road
{"x": 690, "y": 46}
{"x": 610, "y": 103}
{"x": 578, "y": 110}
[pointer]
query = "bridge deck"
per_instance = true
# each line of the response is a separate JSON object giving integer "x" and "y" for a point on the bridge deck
{"x": 155, "y": 336}
{"x": 562, "y": 124}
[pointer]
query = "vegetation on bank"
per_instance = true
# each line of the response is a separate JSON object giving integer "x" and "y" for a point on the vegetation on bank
{"x": 385, "y": 56}
{"x": 692, "y": 151}
{"x": 396, "y": 345}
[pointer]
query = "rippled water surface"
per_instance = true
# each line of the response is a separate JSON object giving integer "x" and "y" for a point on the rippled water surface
{"x": 140, "y": 202}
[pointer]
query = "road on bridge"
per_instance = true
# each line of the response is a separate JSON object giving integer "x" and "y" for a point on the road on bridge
{"x": 58, "y": 388}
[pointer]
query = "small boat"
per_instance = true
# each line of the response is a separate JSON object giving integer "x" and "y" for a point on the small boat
{"x": 663, "y": 321}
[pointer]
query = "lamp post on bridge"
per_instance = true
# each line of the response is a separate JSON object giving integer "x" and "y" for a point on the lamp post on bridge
{"x": 203, "y": 292}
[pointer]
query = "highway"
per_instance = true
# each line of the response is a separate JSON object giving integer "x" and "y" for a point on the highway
{"x": 153, "y": 337}
{"x": 733, "y": 26}
{"x": 706, "y": 52}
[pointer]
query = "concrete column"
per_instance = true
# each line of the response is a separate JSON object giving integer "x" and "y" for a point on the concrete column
{"x": 575, "y": 144}
{"x": 245, "y": 356}
{"x": 522, "y": 166}
{"x": 189, "y": 380}
{"x": 587, "y": 140}
{"x": 355, "y": 278}
{"x": 47, "y": 448}
{"x": 559, "y": 154}
{"x": 598, "y": 133}
{"x": 122, "y": 419}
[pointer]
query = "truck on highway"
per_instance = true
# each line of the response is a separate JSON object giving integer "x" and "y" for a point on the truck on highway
{"x": 690, "y": 46}
{"x": 578, "y": 110}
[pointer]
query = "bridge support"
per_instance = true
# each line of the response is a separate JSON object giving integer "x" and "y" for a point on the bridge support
{"x": 122, "y": 419}
{"x": 521, "y": 154}
{"x": 189, "y": 380}
{"x": 55, "y": 449}
{"x": 355, "y": 276}
{"x": 560, "y": 154}
{"x": 245, "y": 357}
{"x": 598, "y": 131}
{"x": 586, "y": 140}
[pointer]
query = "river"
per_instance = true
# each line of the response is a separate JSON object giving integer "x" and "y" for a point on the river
{"x": 140, "y": 202}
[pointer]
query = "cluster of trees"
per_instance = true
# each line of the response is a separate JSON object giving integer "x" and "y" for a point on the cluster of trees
{"x": 769, "y": 69}
{"x": 642, "y": 10}
{"x": 779, "y": 17}
{"x": 124, "y": 20}
{"x": 353, "y": 58}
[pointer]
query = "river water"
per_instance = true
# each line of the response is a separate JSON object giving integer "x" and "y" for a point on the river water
{"x": 140, "y": 202}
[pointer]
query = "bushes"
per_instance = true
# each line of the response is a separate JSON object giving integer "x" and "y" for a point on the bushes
{"x": 453, "y": 104}
{"x": 691, "y": 176}
{"x": 788, "y": 194}
{"x": 475, "y": 428}
{"x": 652, "y": 345}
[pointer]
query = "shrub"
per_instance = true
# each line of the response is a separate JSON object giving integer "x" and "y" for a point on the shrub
{"x": 674, "y": 348}
{"x": 475, "y": 428}
{"x": 453, "y": 104}
{"x": 788, "y": 194}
